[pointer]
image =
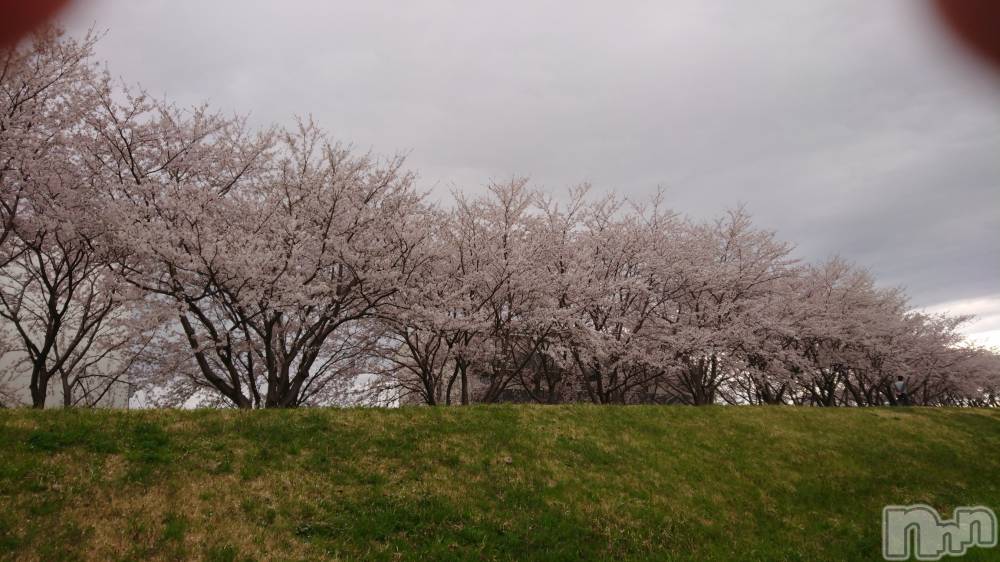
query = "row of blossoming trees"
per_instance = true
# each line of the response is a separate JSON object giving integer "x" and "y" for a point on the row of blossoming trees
{"x": 205, "y": 262}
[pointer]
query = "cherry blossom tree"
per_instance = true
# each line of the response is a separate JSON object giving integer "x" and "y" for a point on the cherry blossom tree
{"x": 726, "y": 308}
{"x": 420, "y": 335}
{"x": 271, "y": 248}
{"x": 45, "y": 90}
{"x": 498, "y": 244}
{"x": 209, "y": 262}
{"x": 65, "y": 312}
{"x": 472, "y": 316}
{"x": 618, "y": 297}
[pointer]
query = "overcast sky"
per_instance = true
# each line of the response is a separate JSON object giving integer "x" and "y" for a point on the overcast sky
{"x": 850, "y": 127}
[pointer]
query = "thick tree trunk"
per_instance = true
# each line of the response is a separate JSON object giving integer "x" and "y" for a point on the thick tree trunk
{"x": 39, "y": 387}
{"x": 67, "y": 393}
{"x": 37, "y": 399}
{"x": 465, "y": 385}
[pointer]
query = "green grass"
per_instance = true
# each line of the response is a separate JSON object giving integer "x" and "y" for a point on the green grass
{"x": 483, "y": 483}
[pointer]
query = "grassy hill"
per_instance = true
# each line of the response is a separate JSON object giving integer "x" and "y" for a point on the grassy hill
{"x": 483, "y": 483}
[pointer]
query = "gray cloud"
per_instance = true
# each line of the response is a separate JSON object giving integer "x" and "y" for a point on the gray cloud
{"x": 849, "y": 127}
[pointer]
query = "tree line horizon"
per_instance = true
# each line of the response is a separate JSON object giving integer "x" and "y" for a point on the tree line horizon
{"x": 206, "y": 262}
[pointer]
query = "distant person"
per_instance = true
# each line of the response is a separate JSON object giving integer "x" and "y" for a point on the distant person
{"x": 902, "y": 398}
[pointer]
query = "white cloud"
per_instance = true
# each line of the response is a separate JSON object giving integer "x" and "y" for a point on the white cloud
{"x": 850, "y": 127}
{"x": 984, "y": 329}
